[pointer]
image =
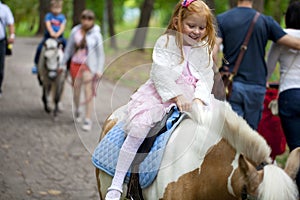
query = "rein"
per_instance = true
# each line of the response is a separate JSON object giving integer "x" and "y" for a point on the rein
{"x": 246, "y": 196}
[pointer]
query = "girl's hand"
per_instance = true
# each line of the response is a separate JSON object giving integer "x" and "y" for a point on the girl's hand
{"x": 98, "y": 75}
{"x": 53, "y": 34}
{"x": 182, "y": 103}
{"x": 199, "y": 101}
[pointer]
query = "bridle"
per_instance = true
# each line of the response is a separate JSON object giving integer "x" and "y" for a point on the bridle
{"x": 52, "y": 73}
{"x": 245, "y": 195}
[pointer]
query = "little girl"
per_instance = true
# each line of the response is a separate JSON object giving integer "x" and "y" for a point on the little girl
{"x": 181, "y": 74}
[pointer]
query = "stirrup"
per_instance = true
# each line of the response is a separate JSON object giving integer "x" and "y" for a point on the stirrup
{"x": 114, "y": 188}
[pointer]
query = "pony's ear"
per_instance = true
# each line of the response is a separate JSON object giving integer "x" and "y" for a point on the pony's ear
{"x": 252, "y": 177}
{"x": 293, "y": 163}
{"x": 246, "y": 168}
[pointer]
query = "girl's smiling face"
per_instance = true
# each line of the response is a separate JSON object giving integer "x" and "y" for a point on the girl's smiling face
{"x": 193, "y": 29}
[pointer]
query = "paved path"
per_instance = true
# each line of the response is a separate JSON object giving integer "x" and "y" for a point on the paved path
{"x": 41, "y": 158}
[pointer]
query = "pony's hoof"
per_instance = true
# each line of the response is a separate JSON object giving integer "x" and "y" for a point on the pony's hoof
{"x": 55, "y": 118}
{"x": 48, "y": 110}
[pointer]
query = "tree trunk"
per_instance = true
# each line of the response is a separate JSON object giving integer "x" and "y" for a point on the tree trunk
{"x": 277, "y": 12}
{"x": 232, "y": 3}
{"x": 259, "y": 5}
{"x": 43, "y": 10}
{"x": 78, "y": 7}
{"x": 211, "y": 4}
{"x": 111, "y": 23}
{"x": 141, "y": 32}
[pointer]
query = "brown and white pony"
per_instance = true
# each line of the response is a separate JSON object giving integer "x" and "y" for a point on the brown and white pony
{"x": 212, "y": 155}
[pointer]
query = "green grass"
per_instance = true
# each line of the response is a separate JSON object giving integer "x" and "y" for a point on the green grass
{"x": 281, "y": 159}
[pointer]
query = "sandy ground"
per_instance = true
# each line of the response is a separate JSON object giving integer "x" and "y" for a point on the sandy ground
{"x": 42, "y": 158}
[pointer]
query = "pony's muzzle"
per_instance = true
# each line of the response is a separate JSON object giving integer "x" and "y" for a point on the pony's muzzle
{"x": 52, "y": 75}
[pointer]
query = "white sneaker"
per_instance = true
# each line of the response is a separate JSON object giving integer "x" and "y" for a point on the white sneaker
{"x": 87, "y": 125}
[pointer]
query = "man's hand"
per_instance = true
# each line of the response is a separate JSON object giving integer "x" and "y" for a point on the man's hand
{"x": 10, "y": 40}
{"x": 60, "y": 70}
{"x": 98, "y": 75}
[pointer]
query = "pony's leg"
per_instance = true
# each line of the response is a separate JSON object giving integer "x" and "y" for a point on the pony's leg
{"x": 58, "y": 89}
{"x": 45, "y": 99}
{"x": 97, "y": 172}
{"x": 128, "y": 151}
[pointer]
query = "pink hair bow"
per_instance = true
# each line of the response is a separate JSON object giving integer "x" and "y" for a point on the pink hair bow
{"x": 186, "y": 3}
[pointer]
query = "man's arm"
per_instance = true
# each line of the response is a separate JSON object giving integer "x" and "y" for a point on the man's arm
{"x": 289, "y": 41}
{"x": 216, "y": 49}
{"x": 11, "y": 30}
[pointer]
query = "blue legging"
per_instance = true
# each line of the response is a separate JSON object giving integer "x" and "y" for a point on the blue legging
{"x": 289, "y": 113}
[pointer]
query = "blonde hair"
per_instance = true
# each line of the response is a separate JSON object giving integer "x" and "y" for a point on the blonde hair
{"x": 56, "y": 3}
{"x": 180, "y": 12}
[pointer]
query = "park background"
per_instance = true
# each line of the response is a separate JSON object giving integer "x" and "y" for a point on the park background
{"x": 117, "y": 16}
{"x": 46, "y": 159}
{"x": 119, "y": 21}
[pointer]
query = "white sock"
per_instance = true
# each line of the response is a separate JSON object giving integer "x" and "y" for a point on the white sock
{"x": 126, "y": 156}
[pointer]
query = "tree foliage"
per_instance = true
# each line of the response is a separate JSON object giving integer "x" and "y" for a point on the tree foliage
{"x": 28, "y": 13}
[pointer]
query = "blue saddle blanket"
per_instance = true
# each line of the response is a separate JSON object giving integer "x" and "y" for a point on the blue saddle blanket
{"x": 106, "y": 154}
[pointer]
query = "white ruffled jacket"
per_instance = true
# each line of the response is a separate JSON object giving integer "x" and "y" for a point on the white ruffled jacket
{"x": 167, "y": 67}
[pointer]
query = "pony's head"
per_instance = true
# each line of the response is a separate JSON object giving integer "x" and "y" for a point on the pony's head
{"x": 251, "y": 179}
{"x": 52, "y": 56}
{"x": 271, "y": 183}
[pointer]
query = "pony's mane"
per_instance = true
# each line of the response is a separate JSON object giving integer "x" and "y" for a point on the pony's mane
{"x": 277, "y": 185}
{"x": 236, "y": 131}
{"x": 243, "y": 138}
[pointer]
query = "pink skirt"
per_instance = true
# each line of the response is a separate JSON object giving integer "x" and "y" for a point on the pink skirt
{"x": 146, "y": 106}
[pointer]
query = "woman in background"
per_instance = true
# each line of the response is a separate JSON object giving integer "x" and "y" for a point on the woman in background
{"x": 289, "y": 88}
{"x": 85, "y": 49}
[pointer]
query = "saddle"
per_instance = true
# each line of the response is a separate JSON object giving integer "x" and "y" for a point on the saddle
{"x": 134, "y": 190}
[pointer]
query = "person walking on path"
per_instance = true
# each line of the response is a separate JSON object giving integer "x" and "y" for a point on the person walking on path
{"x": 289, "y": 87}
{"x": 85, "y": 49}
{"x": 6, "y": 19}
{"x": 249, "y": 84}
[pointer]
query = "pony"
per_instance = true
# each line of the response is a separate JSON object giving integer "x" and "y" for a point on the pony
{"x": 211, "y": 155}
{"x": 52, "y": 81}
